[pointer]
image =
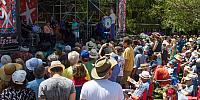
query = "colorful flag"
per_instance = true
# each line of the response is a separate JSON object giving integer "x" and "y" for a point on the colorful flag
{"x": 122, "y": 16}
{"x": 28, "y": 10}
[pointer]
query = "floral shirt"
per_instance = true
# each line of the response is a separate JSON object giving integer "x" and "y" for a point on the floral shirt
{"x": 17, "y": 94}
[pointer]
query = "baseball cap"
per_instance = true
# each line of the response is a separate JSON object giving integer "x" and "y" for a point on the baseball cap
{"x": 85, "y": 54}
{"x": 19, "y": 76}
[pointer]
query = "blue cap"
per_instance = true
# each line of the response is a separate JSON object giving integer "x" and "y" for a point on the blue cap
{"x": 85, "y": 54}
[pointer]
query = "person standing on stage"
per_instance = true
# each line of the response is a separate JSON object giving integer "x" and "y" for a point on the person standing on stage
{"x": 112, "y": 28}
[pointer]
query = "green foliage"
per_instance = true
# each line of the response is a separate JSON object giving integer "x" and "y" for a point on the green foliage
{"x": 182, "y": 15}
{"x": 137, "y": 12}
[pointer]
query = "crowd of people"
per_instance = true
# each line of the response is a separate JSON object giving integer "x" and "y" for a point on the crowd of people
{"x": 129, "y": 68}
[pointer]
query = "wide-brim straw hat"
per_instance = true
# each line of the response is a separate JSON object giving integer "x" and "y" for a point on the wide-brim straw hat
{"x": 102, "y": 66}
{"x": 93, "y": 53}
{"x": 7, "y": 70}
{"x": 145, "y": 75}
{"x": 143, "y": 66}
{"x": 178, "y": 57}
{"x": 56, "y": 64}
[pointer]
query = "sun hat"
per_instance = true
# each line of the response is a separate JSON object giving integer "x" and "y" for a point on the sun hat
{"x": 178, "y": 57}
{"x": 7, "y": 70}
{"x": 68, "y": 48}
{"x": 52, "y": 57}
{"x": 145, "y": 75}
{"x": 33, "y": 63}
{"x": 93, "y": 53}
{"x": 19, "y": 76}
{"x": 85, "y": 54}
{"x": 6, "y": 59}
{"x": 101, "y": 67}
{"x": 143, "y": 66}
{"x": 90, "y": 45}
{"x": 56, "y": 64}
{"x": 187, "y": 78}
{"x": 191, "y": 40}
{"x": 39, "y": 55}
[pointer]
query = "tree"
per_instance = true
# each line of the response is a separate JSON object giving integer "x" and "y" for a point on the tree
{"x": 180, "y": 15}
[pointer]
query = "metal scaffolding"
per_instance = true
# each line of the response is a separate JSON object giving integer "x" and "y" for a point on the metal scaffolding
{"x": 68, "y": 9}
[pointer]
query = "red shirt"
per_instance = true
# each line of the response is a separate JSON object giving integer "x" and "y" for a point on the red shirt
{"x": 79, "y": 81}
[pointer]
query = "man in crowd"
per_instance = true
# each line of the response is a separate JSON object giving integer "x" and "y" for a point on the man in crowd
{"x": 128, "y": 56}
{"x": 101, "y": 88}
{"x": 142, "y": 85}
{"x": 57, "y": 87}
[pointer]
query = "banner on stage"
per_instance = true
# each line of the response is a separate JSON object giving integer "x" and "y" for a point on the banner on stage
{"x": 28, "y": 11}
{"x": 122, "y": 16}
{"x": 8, "y": 29}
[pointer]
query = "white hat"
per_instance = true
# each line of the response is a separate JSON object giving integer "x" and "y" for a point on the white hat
{"x": 93, "y": 53}
{"x": 33, "y": 63}
{"x": 68, "y": 48}
{"x": 145, "y": 75}
{"x": 56, "y": 64}
{"x": 19, "y": 76}
{"x": 6, "y": 59}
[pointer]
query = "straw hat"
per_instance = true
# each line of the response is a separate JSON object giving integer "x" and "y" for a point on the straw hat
{"x": 7, "y": 70}
{"x": 143, "y": 66}
{"x": 56, "y": 64}
{"x": 101, "y": 67}
{"x": 145, "y": 75}
{"x": 93, "y": 53}
{"x": 178, "y": 57}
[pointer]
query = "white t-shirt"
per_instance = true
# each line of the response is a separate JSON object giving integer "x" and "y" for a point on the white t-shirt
{"x": 121, "y": 62}
{"x": 101, "y": 90}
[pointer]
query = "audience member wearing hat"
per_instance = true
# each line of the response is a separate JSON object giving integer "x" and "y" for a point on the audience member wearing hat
{"x": 170, "y": 92}
{"x": 5, "y": 59}
{"x": 93, "y": 54}
{"x": 39, "y": 77}
{"x": 30, "y": 65}
{"x": 6, "y": 72}
{"x": 65, "y": 88}
{"x": 107, "y": 90}
{"x": 188, "y": 88}
{"x": 17, "y": 90}
{"x": 85, "y": 56}
{"x": 33, "y": 63}
{"x": 161, "y": 75}
{"x": 140, "y": 88}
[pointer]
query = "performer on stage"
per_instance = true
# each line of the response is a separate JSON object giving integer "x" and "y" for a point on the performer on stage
{"x": 75, "y": 29}
{"x": 112, "y": 28}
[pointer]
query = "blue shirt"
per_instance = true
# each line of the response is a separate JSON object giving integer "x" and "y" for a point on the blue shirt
{"x": 139, "y": 91}
{"x": 34, "y": 85}
{"x": 115, "y": 73}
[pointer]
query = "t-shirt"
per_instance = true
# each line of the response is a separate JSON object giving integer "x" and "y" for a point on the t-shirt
{"x": 34, "y": 85}
{"x": 75, "y": 27}
{"x": 89, "y": 67}
{"x": 121, "y": 62}
{"x": 56, "y": 88}
{"x": 101, "y": 90}
{"x": 17, "y": 94}
{"x": 128, "y": 55}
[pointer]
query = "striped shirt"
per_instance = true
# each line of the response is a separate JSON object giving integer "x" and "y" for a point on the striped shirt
{"x": 139, "y": 91}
